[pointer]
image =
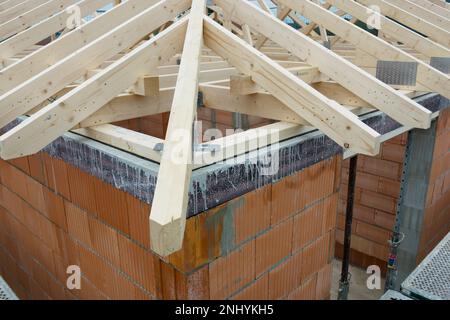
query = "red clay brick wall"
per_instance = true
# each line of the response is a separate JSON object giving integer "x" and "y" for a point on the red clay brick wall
{"x": 376, "y": 194}
{"x": 275, "y": 242}
{"x": 156, "y": 125}
{"x": 436, "y": 222}
{"x": 52, "y": 216}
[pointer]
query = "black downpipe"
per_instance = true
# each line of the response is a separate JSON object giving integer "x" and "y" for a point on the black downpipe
{"x": 344, "y": 283}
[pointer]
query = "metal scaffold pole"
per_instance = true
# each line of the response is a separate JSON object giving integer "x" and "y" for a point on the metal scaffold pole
{"x": 397, "y": 236}
{"x": 344, "y": 282}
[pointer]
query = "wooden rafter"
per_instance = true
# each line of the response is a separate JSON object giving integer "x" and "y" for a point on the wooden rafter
{"x": 422, "y": 13}
{"x": 65, "y": 113}
{"x": 436, "y": 8}
{"x": 395, "y": 30}
{"x": 334, "y": 120}
{"x": 9, "y": 4}
{"x": 348, "y": 75}
{"x": 53, "y": 79}
{"x": 33, "y": 16}
{"x": 41, "y": 59}
{"x": 430, "y": 78}
{"x": 436, "y": 33}
{"x": 19, "y": 9}
{"x": 41, "y": 30}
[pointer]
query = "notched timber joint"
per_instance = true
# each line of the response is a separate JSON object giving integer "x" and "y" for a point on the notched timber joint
{"x": 243, "y": 85}
{"x": 147, "y": 86}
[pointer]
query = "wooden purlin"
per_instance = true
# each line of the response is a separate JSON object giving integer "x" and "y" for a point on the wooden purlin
{"x": 216, "y": 95}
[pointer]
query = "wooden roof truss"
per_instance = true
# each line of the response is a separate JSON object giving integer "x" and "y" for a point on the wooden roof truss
{"x": 145, "y": 57}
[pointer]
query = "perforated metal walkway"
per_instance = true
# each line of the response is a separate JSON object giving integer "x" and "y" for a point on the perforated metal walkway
{"x": 394, "y": 295}
{"x": 5, "y": 291}
{"x": 431, "y": 279}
